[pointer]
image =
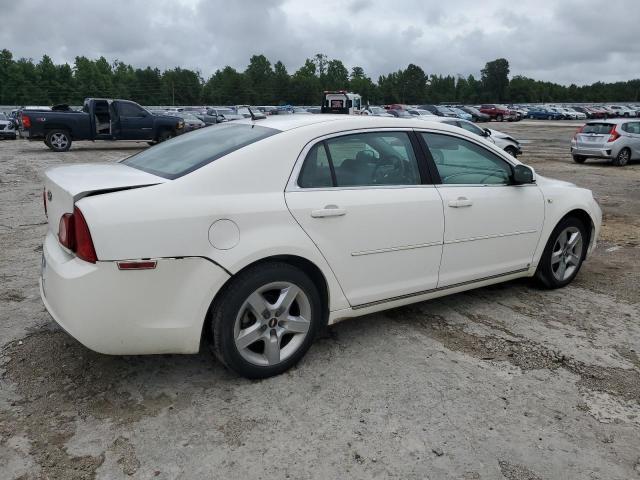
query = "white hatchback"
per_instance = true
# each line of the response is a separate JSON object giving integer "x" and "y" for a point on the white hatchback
{"x": 254, "y": 235}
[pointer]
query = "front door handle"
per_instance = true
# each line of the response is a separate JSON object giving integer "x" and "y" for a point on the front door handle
{"x": 460, "y": 202}
{"x": 328, "y": 211}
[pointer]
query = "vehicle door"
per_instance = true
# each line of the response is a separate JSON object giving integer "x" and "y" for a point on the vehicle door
{"x": 631, "y": 130}
{"x": 492, "y": 226}
{"x": 135, "y": 122}
{"x": 366, "y": 201}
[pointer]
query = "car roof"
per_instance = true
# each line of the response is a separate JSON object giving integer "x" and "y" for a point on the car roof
{"x": 351, "y": 122}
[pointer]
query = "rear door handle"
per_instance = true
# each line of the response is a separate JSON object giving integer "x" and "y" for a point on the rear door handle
{"x": 328, "y": 211}
{"x": 460, "y": 202}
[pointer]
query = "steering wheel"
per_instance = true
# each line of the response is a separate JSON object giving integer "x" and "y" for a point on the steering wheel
{"x": 397, "y": 169}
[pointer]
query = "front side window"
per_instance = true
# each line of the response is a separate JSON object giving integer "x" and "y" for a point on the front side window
{"x": 461, "y": 162}
{"x": 186, "y": 153}
{"x": 365, "y": 159}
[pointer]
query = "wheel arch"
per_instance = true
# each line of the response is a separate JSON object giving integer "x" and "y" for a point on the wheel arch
{"x": 54, "y": 126}
{"x": 586, "y": 220}
{"x": 307, "y": 266}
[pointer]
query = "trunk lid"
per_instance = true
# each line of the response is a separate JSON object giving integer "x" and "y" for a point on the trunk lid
{"x": 66, "y": 184}
{"x": 594, "y": 135}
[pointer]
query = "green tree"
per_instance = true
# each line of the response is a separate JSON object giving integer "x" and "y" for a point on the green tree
{"x": 495, "y": 79}
{"x": 259, "y": 78}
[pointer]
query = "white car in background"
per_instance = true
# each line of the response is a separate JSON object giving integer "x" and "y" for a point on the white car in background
{"x": 254, "y": 235}
{"x": 573, "y": 113}
{"x": 501, "y": 140}
{"x": 7, "y": 127}
{"x": 622, "y": 110}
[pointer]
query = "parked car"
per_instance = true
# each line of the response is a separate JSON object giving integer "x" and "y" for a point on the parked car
{"x": 476, "y": 114}
{"x": 542, "y": 113}
{"x": 498, "y": 113}
{"x": 100, "y": 119}
{"x": 191, "y": 122}
{"x": 375, "y": 111}
{"x": 208, "y": 119}
{"x": 177, "y": 245}
{"x": 7, "y": 127}
{"x": 615, "y": 140}
{"x": 461, "y": 113}
{"x": 565, "y": 115}
{"x": 588, "y": 112}
{"x": 438, "y": 110}
{"x": 599, "y": 112}
{"x": 399, "y": 113}
{"x": 500, "y": 139}
{"x": 224, "y": 114}
{"x": 622, "y": 111}
{"x": 319, "y": 110}
{"x": 575, "y": 113}
{"x": 419, "y": 112}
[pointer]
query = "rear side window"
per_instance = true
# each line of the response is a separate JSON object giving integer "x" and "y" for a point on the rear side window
{"x": 189, "y": 152}
{"x": 367, "y": 159}
{"x": 599, "y": 128}
{"x": 631, "y": 127}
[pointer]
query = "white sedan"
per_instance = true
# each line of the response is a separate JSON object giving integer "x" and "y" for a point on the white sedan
{"x": 254, "y": 235}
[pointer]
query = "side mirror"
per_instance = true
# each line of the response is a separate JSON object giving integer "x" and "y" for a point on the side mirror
{"x": 487, "y": 132}
{"x": 523, "y": 174}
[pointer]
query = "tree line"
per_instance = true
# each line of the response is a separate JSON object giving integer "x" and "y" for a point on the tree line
{"x": 23, "y": 82}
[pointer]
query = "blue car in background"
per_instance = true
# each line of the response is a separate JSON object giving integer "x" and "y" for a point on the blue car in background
{"x": 461, "y": 114}
{"x": 540, "y": 113}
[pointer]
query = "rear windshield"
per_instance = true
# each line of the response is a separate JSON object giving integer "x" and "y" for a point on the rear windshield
{"x": 186, "y": 153}
{"x": 601, "y": 128}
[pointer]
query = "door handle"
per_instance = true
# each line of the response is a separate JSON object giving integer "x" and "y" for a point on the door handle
{"x": 460, "y": 202}
{"x": 328, "y": 211}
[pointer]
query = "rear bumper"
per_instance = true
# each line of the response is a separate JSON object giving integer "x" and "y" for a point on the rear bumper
{"x": 129, "y": 312}
{"x": 592, "y": 152}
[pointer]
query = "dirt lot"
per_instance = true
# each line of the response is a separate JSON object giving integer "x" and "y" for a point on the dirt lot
{"x": 508, "y": 382}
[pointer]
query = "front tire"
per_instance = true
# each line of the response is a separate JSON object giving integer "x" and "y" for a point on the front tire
{"x": 622, "y": 158}
{"x": 511, "y": 151}
{"x": 58, "y": 140}
{"x": 265, "y": 320}
{"x": 579, "y": 158}
{"x": 164, "y": 135}
{"x": 563, "y": 254}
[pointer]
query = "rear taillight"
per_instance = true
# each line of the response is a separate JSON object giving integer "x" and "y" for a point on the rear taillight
{"x": 84, "y": 243}
{"x": 613, "y": 134}
{"x": 74, "y": 234}
{"x": 44, "y": 201}
{"x": 26, "y": 121}
{"x": 578, "y": 131}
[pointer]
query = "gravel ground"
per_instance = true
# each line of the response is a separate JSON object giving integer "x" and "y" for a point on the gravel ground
{"x": 509, "y": 381}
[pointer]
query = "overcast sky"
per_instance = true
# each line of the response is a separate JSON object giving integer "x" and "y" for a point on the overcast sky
{"x": 567, "y": 41}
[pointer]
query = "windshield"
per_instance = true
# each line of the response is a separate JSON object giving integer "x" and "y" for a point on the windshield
{"x": 598, "y": 128}
{"x": 377, "y": 110}
{"x": 189, "y": 152}
{"x": 3, "y": 117}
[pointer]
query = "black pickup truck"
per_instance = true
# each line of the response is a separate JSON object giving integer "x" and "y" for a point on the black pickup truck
{"x": 99, "y": 119}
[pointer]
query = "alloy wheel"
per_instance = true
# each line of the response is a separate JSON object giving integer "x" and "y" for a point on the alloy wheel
{"x": 567, "y": 253}
{"x": 59, "y": 140}
{"x": 272, "y": 323}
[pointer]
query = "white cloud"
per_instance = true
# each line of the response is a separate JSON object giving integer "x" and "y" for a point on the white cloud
{"x": 567, "y": 42}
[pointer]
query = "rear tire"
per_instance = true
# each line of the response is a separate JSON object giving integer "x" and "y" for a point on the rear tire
{"x": 564, "y": 253}
{"x": 58, "y": 140}
{"x": 265, "y": 320}
{"x": 622, "y": 158}
{"x": 579, "y": 158}
{"x": 499, "y": 118}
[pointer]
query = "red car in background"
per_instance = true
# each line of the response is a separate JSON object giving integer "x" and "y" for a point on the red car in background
{"x": 499, "y": 113}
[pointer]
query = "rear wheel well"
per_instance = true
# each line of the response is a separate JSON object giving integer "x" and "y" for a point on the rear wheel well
{"x": 64, "y": 128}
{"x": 308, "y": 267}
